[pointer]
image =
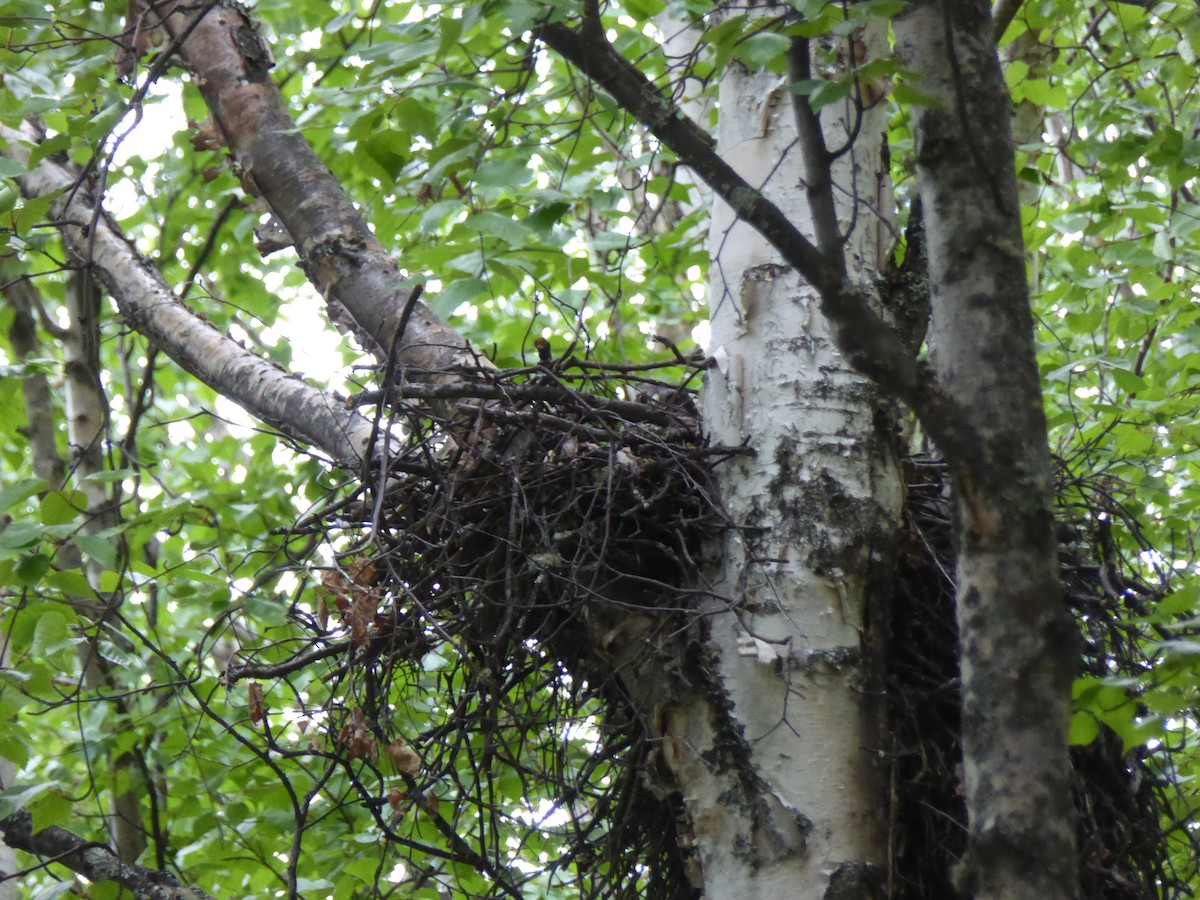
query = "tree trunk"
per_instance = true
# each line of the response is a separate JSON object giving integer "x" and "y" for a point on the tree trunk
{"x": 1018, "y": 642}
{"x": 815, "y": 510}
{"x": 776, "y": 748}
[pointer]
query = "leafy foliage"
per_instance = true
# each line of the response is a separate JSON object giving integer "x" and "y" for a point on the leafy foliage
{"x": 540, "y": 211}
{"x": 1112, "y": 210}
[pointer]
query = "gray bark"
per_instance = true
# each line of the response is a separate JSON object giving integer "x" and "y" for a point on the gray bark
{"x": 35, "y": 388}
{"x": 95, "y": 862}
{"x": 148, "y": 304}
{"x": 86, "y": 429}
{"x": 1019, "y": 644}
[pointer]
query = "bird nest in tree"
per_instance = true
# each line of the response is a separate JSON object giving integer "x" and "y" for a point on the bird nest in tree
{"x": 484, "y": 573}
{"x": 481, "y": 568}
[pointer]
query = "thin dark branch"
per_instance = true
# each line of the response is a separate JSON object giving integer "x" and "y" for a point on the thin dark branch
{"x": 626, "y": 409}
{"x": 818, "y": 174}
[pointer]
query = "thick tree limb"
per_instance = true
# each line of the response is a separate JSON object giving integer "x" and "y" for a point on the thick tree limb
{"x": 363, "y": 286}
{"x": 861, "y": 334}
{"x": 96, "y": 862}
{"x": 258, "y": 386}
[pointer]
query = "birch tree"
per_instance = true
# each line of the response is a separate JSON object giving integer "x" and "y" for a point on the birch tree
{"x": 512, "y": 606}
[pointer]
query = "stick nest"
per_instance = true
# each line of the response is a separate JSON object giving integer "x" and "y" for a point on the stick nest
{"x": 480, "y": 582}
{"x": 476, "y": 582}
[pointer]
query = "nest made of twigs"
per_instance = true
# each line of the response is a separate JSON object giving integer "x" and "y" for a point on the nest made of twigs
{"x": 583, "y": 491}
{"x": 499, "y": 552}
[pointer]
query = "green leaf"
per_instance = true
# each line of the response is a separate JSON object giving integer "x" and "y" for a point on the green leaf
{"x": 505, "y": 172}
{"x": 1084, "y": 729}
{"x": 494, "y": 225}
{"x": 1127, "y": 381}
{"x": 71, "y": 582}
{"x": 51, "y": 633}
{"x": 19, "y": 490}
{"x": 30, "y": 569}
{"x": 60, "y": 507}
{"x": 827, "y": 92}
{"x": 21, "y": 536}
{"x": 15, "y": 798}
{"x": 544, "y": 218}
{"x": 459, "y": 291}
{"x": 764, "y": 50}
{"x": 102, "y": 549}
{"x": 907, "y": 92}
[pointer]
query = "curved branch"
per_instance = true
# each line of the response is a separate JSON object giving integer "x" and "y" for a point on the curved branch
{"x": 96, "y": 862}
{"x": 260, "y": 387}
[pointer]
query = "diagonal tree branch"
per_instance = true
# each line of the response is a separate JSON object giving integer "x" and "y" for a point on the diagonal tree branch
{"x": 96, "y": 862}
{"x": 363, "y": 286}
{"x": 861, "y": 334}
{"x": 148, "y": 304}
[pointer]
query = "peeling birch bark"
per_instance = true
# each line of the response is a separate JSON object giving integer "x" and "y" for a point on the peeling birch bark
{"x": 817, "y": 507}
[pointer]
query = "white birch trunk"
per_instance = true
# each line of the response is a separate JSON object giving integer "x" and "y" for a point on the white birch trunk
{"x": 817, "y": 503}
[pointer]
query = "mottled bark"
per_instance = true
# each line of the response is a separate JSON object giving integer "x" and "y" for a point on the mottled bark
{"x": 40, "y": 429}
{"x": 95, "y": 862}
{"x": 819, "y": 501}
{"x": 778, "y": 762}
{"x": 47, "y": 464}
{"x": 1018, "y": 643}
{"x": 86, "y": 427}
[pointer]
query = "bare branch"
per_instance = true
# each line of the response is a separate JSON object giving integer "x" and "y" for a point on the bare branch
{"x": 96, "y": 862}
{"x": 147, "y": 302}
{"x": 818, "y": 169}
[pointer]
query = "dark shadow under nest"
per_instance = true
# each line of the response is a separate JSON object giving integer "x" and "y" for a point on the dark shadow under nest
{"x": 1133, "y": 844}
{"x": 480, "y": 583}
